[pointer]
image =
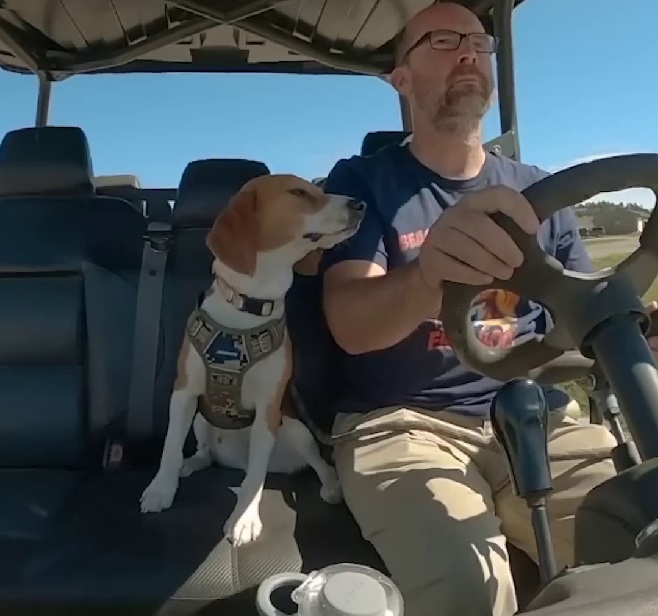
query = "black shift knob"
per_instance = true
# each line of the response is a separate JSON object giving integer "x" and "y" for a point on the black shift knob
{"x": 519, "y": 415}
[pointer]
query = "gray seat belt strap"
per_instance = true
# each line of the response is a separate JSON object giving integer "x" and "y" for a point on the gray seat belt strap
{"x": 158, "y": 238}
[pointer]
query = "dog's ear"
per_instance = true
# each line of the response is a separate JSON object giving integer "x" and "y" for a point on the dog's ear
{"x": 233, "y": 238}
{"x": 309, "y": 265}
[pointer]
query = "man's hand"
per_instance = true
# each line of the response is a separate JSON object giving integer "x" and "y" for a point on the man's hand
{"x": 466, "y": 245}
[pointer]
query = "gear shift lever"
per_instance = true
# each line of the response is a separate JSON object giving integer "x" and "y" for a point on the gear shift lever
{"x": 519, "y": 417}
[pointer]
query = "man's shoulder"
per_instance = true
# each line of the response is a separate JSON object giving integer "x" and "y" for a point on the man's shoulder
{"x": 516, "y": 174}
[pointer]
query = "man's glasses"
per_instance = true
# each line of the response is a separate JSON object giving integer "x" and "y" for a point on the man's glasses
{"x": 447, "y": 40}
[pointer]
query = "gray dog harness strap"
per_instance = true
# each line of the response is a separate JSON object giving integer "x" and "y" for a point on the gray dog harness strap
{"x": 228, "y": 354}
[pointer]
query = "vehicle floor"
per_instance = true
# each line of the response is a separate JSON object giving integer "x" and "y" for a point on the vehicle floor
{"x": 73, "y": 541}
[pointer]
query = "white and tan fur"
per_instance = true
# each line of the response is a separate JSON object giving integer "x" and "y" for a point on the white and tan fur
{"x": 256, "y": 241}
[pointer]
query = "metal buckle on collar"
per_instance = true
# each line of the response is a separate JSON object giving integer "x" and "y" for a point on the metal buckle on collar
{"x": 234, "y": 298}
{"x": 253, "y": 305}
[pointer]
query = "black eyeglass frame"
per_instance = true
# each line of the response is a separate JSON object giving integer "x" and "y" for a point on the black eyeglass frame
{"x": 461, "y": 36}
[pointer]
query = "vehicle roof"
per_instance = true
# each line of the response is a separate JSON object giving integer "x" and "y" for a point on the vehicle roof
{"x": 62, "y": 37}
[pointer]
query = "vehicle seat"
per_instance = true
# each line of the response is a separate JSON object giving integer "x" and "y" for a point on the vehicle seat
{"x": 205, "y": 188}
{"x": 375, "y": 141}
{"x": 67, "y": 299}
{"x": 101, "y": 555}
{"x": 61, "y": 267}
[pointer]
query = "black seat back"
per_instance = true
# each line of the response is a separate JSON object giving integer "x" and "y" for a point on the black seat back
{"x": 315, "y": 373}
{"x": 505, "y": 144}
{"x": 206, "y": 187}
{"x": 315, "y": 370}
{"x": 375, "y": 141}
{"x": 69, "y": 262}
{"x": 316, "y": 354}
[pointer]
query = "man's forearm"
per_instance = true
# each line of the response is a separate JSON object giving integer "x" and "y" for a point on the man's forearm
{"x": 369, "y": 314}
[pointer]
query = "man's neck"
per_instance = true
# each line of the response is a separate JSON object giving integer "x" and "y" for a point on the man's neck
{"x": 450, "y": 155}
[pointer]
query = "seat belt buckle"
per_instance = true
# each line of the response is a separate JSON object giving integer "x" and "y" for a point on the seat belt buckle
{"x": 158, "y": 235}
{"x": 113, "y": 455}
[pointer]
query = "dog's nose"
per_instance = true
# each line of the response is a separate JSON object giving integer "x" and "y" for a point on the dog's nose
{"x": 356, "y": 205}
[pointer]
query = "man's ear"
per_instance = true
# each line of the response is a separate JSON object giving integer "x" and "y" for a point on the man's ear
{"x": 309, "y": 265}
{"x": 399, "y": 80}
{"x": 233, "y": 238}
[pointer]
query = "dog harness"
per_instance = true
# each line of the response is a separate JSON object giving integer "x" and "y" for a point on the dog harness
{"x": 228, "y": 354}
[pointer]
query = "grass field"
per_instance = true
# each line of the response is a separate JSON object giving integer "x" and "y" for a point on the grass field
{"x": 652, "y": 294}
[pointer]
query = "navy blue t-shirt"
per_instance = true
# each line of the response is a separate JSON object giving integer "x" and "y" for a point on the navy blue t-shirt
{"x": 404, "y": 199}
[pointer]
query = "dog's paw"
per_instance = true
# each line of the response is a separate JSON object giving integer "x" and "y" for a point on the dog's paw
{"x": 193, "y": 464}
{"x": 159, "y": 495}
{"x": 243, "y": 528}
{"x": 331, "y": 492}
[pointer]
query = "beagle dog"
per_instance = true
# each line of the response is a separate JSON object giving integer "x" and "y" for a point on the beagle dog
{"x": 235, "y": 361}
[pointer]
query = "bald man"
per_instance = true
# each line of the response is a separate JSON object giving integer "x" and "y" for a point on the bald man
{"x": 437, "y": 503}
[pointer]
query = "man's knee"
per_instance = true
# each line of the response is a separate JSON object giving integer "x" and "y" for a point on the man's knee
{"x": 581, "y": 455}
{"x": 596, "y": 436}
{"x": 573, "y": 410}
{"x": 567, "y": 432}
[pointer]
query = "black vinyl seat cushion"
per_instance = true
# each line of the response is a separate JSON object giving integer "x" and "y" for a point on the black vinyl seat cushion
{"x": 94, "y": 549}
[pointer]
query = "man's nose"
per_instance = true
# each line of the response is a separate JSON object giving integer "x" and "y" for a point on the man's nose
{"x": 467, "y": 59}
{"x": 467, "y": 53}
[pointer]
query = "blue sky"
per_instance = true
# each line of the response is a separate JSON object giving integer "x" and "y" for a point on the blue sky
{"x": 586, "y": 87}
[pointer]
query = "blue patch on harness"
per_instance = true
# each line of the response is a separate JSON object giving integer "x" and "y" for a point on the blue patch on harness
{"x": 227, "y": 351}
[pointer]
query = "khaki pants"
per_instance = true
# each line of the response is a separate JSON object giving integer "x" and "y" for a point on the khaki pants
{"x": 439, "y": 508}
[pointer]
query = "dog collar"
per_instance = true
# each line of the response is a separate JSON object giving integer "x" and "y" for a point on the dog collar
{"x": 245, "y": 303}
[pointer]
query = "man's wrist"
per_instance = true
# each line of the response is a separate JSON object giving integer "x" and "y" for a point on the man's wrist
{"x": 420, "y": 279}
{"x": 421, "y": 287}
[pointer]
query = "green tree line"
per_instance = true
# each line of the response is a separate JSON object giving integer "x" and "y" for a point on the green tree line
{"x": 615, "y": 218}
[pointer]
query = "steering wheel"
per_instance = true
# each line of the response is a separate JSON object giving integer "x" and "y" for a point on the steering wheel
{"x": 599, "y": 314}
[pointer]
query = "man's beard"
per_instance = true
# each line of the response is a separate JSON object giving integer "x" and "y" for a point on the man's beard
{"x": 460, "y": 108}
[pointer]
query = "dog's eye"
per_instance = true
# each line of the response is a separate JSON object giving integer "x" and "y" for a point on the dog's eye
{"x": 300, "y": 192}
{"x": 313, "y": 237}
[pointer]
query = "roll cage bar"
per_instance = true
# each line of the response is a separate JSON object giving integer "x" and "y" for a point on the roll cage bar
{"x": 498, "y": 20}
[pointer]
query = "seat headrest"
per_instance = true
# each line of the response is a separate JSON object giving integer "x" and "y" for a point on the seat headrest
{"x": 103, "y": 181}
{"x": 48, "y": 160}
{"x": 208, "y": 185}
{"x": 373, "y": 142}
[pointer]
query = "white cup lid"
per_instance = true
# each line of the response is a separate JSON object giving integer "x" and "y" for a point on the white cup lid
{"x": 353, "y": 594}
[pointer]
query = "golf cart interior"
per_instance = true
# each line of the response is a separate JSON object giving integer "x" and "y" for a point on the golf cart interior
{"x": 98, "y": 276}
